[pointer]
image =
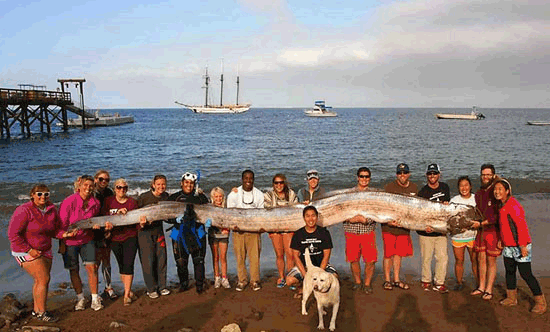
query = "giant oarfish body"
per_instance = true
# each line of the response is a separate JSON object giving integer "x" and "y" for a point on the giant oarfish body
{"x": 410, "y": 212}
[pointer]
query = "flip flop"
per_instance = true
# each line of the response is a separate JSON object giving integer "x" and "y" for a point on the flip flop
{"x": 387, "y": 285}
{"x": 401, "y": 284}
{"x": 487, "y": 296}
{"x": 477, "y": 292}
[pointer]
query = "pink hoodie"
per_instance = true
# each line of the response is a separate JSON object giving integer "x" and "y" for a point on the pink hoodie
{"x": 29, "y": 228}
{"x": 71, "y": 211}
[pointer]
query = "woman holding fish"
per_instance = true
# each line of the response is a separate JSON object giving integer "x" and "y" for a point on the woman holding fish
{"x": 31, "y": 229}
{"x": 124, "y": 243}
{"x": 281, "y": 195}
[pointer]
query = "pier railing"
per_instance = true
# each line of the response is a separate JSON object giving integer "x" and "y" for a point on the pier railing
{"x": 34, "y": 97}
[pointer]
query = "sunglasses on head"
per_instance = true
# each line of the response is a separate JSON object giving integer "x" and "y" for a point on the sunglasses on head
{"x": 46, "y": 194}
{"x": 122, "y": 187}
{"x": 364, "y": 176}
{"x": 101, "y": 179}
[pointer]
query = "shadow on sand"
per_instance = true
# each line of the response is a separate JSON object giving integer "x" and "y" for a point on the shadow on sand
{"x": 407, "y": 316}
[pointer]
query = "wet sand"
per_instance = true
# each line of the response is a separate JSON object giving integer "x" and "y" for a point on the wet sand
{"x": 272, "y": 309}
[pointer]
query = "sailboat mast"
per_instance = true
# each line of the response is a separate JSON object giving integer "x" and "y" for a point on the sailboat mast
{"x": 206, "y": 82}
{"x": 237, "y": 90}
{"x": 221, "y": 87}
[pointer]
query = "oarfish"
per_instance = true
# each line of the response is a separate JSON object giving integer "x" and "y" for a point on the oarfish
{"x": 409, "y": 212}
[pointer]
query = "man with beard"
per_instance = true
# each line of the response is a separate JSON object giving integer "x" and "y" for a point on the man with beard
{"x": 487, "y": 243}
{"x": 397, "y": 240}
{"x": 434, "y": 243}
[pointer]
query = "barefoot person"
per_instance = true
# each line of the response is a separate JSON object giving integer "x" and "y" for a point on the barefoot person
{"x": 281, "y": 195}
{"x": 434, "y": 244}
{"x": 517, "y": 247}
{"x": 79, "y": 206}
{"x": 219, "y": 241}
{"x": 465, "y": 240}
{"x": 487, "y": 243}
{"x": 315, "y": 238}
{"x": 246, "y": 243}
{"x": 397, "y": 240}
{"x": 30, "y": 231}
{"x": 152, "y": 243}
{"x": 189, "y": 236}
{"x": 361, "y": 240}
{"x": 123, "y": 239}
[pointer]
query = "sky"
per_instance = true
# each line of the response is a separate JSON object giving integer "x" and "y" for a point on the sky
{"x": 417, "y": 53}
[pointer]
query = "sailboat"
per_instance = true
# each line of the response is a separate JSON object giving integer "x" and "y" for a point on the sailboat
{"x": 221, "y": 108}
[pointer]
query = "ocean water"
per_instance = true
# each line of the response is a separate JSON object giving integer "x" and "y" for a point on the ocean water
{"x": 270, "y": 141}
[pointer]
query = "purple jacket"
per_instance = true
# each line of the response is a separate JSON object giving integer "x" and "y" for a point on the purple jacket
{"x": 71, "y": 211}
{"x": 29, "y": 228}
{"x": 487, "y": 204}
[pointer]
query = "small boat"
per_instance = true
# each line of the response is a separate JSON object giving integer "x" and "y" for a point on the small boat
{"x": 474, "y": 115}
{"x": 320, "y": 110}
{"x": 217, "y": 109}
{"x": 538, "y": 123}
{"x": 100, "y": 120}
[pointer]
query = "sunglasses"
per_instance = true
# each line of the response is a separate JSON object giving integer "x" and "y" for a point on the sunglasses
{"x": 278, "y": 182}
{"x": 402, "y": 172}
{"x": 46, "y": 194}
{"x": 101, "y": 179}
{"x": 122, "y": 187}
{"x": 431, "y": 173}
{"x": 364, "y": 176}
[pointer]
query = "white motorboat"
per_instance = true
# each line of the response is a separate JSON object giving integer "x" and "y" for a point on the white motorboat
{"x": 320, "y": 110}
{"x": 474, "y": 115}
{"x": 221, "y": 108}
{"x": 100, "y": 120}
{"x": 538, "y": 123}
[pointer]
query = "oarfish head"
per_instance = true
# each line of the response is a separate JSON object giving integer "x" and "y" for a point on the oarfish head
{"x": 463, "y": 220}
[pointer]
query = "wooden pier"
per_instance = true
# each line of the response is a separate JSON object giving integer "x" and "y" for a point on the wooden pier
{"x": 32, "y": 105}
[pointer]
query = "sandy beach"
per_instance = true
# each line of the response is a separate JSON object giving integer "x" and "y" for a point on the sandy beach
{"x": 272, "y": 309}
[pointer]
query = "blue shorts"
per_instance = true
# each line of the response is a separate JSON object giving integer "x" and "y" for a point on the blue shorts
{"x": 515, "y": 254}
{"x": 85, "y": 251}
{"x": 295, "y": 272}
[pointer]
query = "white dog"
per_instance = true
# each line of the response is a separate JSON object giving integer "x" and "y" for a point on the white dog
{"x": 326, "y": 288}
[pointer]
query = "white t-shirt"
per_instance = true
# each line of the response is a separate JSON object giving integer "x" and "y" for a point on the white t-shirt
{"x": 470, "y": 234}
{"x": 245, "y": 199}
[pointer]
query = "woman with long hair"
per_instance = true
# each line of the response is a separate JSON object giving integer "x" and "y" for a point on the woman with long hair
{"x": 281, "y": 195}
{"x": 517, "y": 247}
{"x": 219, "y": 241}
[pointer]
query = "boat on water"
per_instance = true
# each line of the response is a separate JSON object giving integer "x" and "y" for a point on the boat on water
{"x": 320, "y": 110}
{"x": 221, "y": 108}
{"x": 474, "y": 115}
{"x": 100, "y": 120}
{"x": 538, "y": 123}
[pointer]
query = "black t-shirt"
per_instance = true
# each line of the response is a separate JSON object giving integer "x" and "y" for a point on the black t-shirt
{"x": 316, "y": 242}
{"x": 440, "y": 194}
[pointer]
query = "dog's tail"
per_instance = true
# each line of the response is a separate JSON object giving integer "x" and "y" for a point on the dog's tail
{"x": 308, "y": 259}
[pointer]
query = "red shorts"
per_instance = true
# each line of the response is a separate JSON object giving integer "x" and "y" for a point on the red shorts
{"x": 400, "y": 245}
{"x": 486, "y": 241}
{"x": 358, "y": 245}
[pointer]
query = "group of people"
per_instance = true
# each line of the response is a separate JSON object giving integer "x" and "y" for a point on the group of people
{"x": 503, "y": 230}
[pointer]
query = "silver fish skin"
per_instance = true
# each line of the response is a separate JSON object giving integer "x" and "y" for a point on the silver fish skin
{"x": 409, "y": 212}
